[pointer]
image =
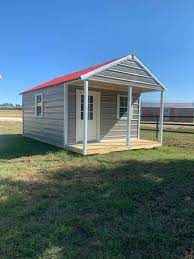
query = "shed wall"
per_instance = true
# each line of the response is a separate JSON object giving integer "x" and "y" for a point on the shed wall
{"x": 50, "y": 127}
{"x": 110, "y": 126}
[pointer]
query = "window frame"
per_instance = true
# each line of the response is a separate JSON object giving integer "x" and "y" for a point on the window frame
{"x": 118, "y": 107}
{"x": 167, "y": 111}
{"x": 90, "y": 111}
{"x": 39, "y": 105}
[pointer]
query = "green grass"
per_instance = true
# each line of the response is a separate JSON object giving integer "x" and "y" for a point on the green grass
{"x": 55, "y": 204}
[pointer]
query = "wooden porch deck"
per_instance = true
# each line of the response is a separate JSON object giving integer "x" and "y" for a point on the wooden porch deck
{"x": 104, "y": 147}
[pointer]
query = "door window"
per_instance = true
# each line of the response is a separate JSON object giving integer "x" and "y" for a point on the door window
{"x": 90, "y": 107}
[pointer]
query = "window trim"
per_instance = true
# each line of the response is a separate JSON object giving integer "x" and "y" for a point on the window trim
{"x": 42, "y": 112}
{"x": 118, "y": 107}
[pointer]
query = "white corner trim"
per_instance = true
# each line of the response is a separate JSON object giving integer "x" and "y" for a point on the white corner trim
{"x": 148, "y": 71}
{"x": 65, "y": 114}
{"x": 100, "y": 69}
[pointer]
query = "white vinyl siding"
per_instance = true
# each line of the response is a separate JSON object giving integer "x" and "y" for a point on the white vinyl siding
{"x": 128, "y": 73}
{"x": 50, "y": 127}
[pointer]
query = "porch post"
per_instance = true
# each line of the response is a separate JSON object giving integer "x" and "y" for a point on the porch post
{"x": 85, "y": 131}
{"x": 161, "y": 116}
{"x": 139, "y": 118}
{"x": 129, "y": 113}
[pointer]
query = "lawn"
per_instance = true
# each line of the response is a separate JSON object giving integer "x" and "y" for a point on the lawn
{"x": 55, "y": 204}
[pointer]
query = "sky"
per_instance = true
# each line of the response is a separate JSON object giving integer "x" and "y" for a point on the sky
{"x": 41, "y": 40}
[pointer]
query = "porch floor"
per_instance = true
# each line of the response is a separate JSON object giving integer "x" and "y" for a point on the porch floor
{"x": 104, "y": 147}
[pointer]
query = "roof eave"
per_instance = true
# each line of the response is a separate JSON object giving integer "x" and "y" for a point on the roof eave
{"x": 32, "y": 90}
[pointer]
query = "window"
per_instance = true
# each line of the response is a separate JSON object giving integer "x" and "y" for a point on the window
{"x": 90, "y": 107}
{"x": 122, "y": 106}
{"x": 39, "y": 105}
{"x": 167, "y": 111}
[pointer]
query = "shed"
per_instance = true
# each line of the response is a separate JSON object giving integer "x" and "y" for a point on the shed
{"x": 95, "y": 110}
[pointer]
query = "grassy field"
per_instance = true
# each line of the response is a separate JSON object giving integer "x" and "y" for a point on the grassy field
{"x": 55, "y": 204}
{"x": 11, "y": 113}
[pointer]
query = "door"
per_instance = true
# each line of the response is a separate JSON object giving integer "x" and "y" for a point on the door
{"x": 93, "y": 115}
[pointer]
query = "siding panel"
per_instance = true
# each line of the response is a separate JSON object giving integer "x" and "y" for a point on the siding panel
{"x": 129, "y": 77}
{"x": 131, "y": 70}
{"x": 110, "y": 126}
{"x": 127, "y": 73}
{"x": 49, "y": 128}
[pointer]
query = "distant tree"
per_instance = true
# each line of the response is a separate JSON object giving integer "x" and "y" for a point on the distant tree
{"x": 7, "y": 104}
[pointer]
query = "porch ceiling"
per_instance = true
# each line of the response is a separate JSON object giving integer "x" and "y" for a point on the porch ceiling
{"x": 114, "y": 86}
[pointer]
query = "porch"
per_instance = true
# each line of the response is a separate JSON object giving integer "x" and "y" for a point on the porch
{"x": 108, "y": 130}
{"x": 108, "y": 108}
{"x": 104, "y": 147}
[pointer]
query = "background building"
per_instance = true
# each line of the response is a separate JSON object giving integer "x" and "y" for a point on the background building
{"x": 173, "y": 111}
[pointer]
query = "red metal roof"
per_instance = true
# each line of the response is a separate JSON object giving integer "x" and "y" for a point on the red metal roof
{"x": 67, "y": 78}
